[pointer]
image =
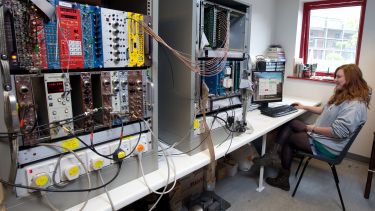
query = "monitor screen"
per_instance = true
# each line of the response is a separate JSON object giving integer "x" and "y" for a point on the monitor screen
{"x": 268, "y": 86}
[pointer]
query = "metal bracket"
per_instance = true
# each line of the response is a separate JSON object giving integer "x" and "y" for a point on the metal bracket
{"x": 5, "y": 73}
{"x": 4, "y": 63}
{"x": 12, "y": 123}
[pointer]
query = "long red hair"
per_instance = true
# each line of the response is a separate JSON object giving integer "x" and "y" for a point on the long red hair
{"x": 355, "y": 88}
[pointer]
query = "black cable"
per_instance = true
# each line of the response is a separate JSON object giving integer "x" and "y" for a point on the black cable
{"x": 57, "y": 123}
{"x": 230, "y": 144}
{"x": 91, "y": 148}
{"x": 139, "y": 138}
{"x": 169, "y": 63}
{"x": 110, "y": 156}
{"x": 226, "y": 124}
{"x": 64, "y": 191}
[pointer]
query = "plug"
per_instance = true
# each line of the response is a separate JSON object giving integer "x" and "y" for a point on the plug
{"x": 119, "y": 155}
{"x": 230, "y": 121}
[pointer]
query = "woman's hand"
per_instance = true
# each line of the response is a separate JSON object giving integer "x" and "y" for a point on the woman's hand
{"x": 314, "y": 109}
{"x": 310, "y": 128}
{"x": 297, "y": 105}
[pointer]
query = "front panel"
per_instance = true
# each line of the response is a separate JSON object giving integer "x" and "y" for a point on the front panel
{"x": 57, "y": 86}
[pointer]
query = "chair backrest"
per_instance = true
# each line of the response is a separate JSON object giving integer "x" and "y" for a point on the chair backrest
{"x": 353, "y": 136}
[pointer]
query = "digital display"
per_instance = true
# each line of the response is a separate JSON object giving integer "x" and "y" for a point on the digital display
{"x": 55, "y": 87}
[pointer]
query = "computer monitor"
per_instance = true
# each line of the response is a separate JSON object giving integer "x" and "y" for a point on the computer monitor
{"x": 268, "y": 87}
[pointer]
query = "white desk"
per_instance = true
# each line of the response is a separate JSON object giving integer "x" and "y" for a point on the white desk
{"x": 185, "y": 164}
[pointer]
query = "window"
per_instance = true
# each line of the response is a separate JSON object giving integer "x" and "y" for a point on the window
{"x": 331, "y": 33}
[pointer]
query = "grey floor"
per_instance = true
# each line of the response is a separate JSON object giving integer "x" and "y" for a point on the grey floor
{"x": 317, "y": 190}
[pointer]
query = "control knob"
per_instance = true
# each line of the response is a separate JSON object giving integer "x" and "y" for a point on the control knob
{"x": 115, "y": 32}
{"x": 106, "y": 82}
{"x": 24, "y": 89}
{"x": 86, "y": 83}
{"x": 115, "y": 81}
{"x": 115, "y": 25}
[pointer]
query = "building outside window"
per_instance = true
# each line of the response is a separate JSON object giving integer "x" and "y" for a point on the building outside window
{"x": 331, "y": 33}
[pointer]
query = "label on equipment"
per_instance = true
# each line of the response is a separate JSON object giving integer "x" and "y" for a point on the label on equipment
{"x": 71, "y": 144}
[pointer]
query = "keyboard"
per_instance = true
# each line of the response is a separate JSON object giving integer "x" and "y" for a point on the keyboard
{"x": 278, "y": 111}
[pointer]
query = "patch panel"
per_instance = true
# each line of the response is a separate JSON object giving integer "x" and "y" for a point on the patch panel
{"x": 136, "y": 86}
{"x": 69, "y": 36}
{"x": 82, "y": 99}
{"x": 106, "y": 97}
{"x": 52, "y": 47}
{"x": 136, "y": 40}
{"x": 116, "y": 100}
{"x": 114, "y": 38}
{"x": 27, "y": 113}
{"x": 39, "y": 53}
{"x": 23, "y": 41}
{"x": 91, "y": 36}
{"x": 58, "y": 99}
{"x": 124, "y": 92}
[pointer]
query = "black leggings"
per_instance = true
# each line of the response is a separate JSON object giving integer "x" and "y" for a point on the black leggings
{"x": 292, "y": 136}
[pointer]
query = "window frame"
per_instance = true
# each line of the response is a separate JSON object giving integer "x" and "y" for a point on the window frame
{"x": 328, "y": 4}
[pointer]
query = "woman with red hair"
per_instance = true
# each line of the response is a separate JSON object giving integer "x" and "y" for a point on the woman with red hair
{"x": 344, "y": 112}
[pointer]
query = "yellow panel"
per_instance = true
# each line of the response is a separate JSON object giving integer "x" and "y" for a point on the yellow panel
{"x": 135, "y": 40}
{"x": 196, "y": 123}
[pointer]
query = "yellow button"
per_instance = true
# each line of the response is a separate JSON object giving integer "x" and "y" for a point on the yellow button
{"x": 98, "y": 164}
{"x": 42, "y": 180}
{"x": 121, "y": 154}
{"x": 73, "y": 171}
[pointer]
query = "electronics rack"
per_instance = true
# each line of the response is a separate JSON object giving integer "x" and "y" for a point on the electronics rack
{"x": 62, "y": 67}
{"x": 201, "y": 29}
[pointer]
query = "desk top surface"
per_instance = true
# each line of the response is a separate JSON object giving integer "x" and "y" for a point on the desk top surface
{"x": 186, "y": 164}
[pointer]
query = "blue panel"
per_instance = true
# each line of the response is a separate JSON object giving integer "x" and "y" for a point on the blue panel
{"x": 215, "y": 84}
{"x": 52, "y": 48}
{"x": 91, "y": 36}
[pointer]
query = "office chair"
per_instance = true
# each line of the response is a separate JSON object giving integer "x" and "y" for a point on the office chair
{"x": 331, "y": 162}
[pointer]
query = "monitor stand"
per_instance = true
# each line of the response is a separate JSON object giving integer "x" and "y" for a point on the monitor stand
{"x": 263, "y": 105}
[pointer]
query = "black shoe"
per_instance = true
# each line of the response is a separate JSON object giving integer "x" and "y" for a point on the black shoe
{"x": 268, "y": 159}
{"x": 281, "y": 181}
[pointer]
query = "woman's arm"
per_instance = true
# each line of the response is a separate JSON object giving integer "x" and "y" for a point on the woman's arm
{"x": 325, "y": 131}
{"x": 313, "y": 109}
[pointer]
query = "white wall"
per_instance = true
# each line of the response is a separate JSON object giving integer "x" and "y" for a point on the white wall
{"x": 262, "y": 25}
{"x": 288, "y": 18}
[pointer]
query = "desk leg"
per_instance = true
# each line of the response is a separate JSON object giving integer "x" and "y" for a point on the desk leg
{"x": 260, "y": 186}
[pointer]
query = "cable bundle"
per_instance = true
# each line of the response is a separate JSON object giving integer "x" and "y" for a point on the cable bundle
{"x": 204, "y": 68}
